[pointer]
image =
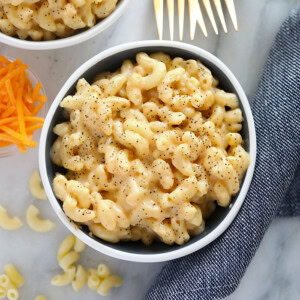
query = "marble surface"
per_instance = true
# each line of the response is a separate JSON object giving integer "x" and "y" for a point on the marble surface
{"x": 274, "y": 272}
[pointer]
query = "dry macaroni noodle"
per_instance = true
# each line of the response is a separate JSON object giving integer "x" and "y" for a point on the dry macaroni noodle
{"x": 91, "y": 272}
{"x": 108, "y": 283}
{"x": 14, "y": 275}
{"x": 149, "y": 149}
{"x": 35, "y": 223}
{"x": 47, "y": 20}
{"x": 79, "y": 246}
{"x": 103, "y": 271}
{"x": 97, "y": 279}
{"x": 9, "y": 223}
{"x": 68, "y": 260}
{"x": 35, "y": 186}
{"x": 40, "y": 298}
{"x": 65, "y": 278}
{"x": 12, "y": 294}
{"x": 80, "y": 278}
{"x": 100, "y": 279}
{"x": 2, "y": 292}
{"x": 6, "y": 282}
{"x": 93, "y": 281}
{"x": 65, "y": 247}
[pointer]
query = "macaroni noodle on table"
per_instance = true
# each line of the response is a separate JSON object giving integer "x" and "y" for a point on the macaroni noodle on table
{"x": 80, "y": 278}
{"x": 50, "y": 19}
{"x": 14, "y": 275}
{"x": 76, "y": 275}
{"x": 35, "y": 223}
{"x": 10, "y": 282}
{"x": 93, "y": 280}
{"x": 149, "y": 149}
{"x": 12, "y": 294}
{"x": 64, "y": 278}
{"x": 2, "y": 292}
{"x": 101, "y": 280}
{"x": 6, "y": 282}
{"x": 7, "y": 222}
{"x": 35, "y": 186}
{"x": 107, "y": 283}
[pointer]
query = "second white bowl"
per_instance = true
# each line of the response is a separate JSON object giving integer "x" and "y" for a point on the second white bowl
{"x": 69, "y": 41}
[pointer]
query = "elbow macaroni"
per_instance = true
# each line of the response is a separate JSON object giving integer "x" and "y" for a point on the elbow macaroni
{"x": 12, "y": 294}
{"x": 66, "y": 258}
{"x": 80, "y": 278}
{"x": 66, "y": 246}
{"x": 65, "y": 278}
{"x": 79, "y": 246}
{"x": 2, "y": 292}
{"x": 148, "y": 150}
{"x": 108, "y": 283}
{"x": 6, "y": 282}
{"x": 35, "y": 186}
{"x": 93, "y": 281}
{"x": 46, "y": 20}
{"x": 97, "y": 279}
{"x": 10, "y": 282}
{"x": 9, "y": 223}
{"x": 14, "y": 275}
{"x": 101, "y": 281}
{"x": 103, "y": 271}
{"x": 35, "y": 223}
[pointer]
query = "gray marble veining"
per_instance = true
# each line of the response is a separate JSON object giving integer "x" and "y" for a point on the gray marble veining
{"x": 275, "y": 270}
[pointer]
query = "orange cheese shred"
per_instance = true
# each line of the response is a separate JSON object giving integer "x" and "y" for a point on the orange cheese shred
{"x": 20, "y": 102}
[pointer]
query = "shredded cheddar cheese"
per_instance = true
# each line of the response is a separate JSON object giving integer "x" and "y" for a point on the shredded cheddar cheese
{"x": 20, "y": 103}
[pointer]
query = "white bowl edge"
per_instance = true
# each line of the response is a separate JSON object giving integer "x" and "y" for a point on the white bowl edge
{"x": 149, "y": 258}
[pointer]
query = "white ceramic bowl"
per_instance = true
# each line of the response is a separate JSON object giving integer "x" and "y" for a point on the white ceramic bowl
{"x": 110, "y": 60}
{"x": 72, "y": 40}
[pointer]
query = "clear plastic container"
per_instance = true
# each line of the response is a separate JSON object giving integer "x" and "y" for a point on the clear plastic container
{"x": 10, "y": 150}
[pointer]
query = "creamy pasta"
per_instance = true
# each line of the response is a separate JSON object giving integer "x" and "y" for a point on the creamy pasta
{"x": 149, "y": 150}
{"x": 50, "y": 19}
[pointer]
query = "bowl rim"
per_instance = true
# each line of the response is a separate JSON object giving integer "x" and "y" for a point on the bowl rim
{"x": 69, "y": 41}
{"x": 149, "y": 258}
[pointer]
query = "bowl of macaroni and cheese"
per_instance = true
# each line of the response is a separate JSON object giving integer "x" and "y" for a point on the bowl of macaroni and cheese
{"x": 148, "y": 150}
{"x": 51, "y": 24}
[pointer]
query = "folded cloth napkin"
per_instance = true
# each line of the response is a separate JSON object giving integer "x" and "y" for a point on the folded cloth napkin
{"x": 215, "y": 271}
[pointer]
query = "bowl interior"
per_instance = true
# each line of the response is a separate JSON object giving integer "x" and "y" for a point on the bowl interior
{"x": 110, "y": 64}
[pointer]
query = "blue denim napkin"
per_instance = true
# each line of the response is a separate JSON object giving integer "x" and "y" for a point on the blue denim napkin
{"x": 215, "y": 271}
